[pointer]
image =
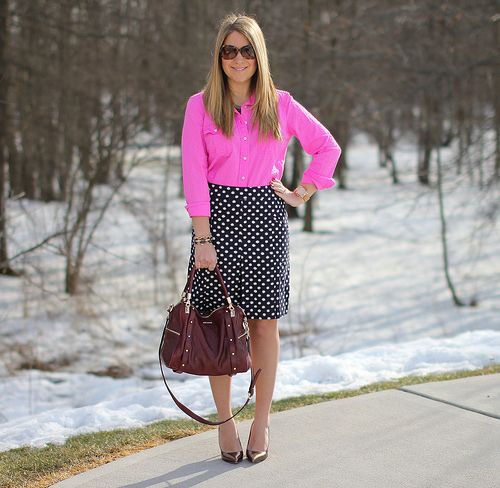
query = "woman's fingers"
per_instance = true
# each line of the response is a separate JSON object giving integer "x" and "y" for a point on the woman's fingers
{"x": 209, "y": 265}
{"x": 280, "y": 189}
{"x": 205, "y": 257}
{"x": 278, "y": 186}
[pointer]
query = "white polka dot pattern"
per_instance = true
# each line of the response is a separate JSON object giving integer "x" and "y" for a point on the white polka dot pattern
{"x": 249, "y": 226}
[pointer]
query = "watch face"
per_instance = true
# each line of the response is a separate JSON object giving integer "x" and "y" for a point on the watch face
{"x": 301, "y": 191}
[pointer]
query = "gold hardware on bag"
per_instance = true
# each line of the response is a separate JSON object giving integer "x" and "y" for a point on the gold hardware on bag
{"x": 188, "y": 303}
{"x": 245, "y": 328}
{"x": 231, "y": 308}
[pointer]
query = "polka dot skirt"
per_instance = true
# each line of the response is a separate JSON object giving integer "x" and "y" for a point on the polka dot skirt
{"x": 249, "y": 226}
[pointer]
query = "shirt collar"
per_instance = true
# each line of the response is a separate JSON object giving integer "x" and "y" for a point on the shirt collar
{"x": 250, "y": 101}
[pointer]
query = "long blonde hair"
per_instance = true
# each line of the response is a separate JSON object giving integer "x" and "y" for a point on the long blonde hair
{"x": 216, "y": 94}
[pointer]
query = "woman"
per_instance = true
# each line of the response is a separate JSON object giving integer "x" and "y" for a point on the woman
{"x": 234, "y": 142}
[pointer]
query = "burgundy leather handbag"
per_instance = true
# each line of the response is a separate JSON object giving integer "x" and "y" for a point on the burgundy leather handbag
{"x": 215, "y": 345}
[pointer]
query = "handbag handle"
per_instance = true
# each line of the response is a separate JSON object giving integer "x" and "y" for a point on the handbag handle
{"x": 186, "y": 293}
{"x": 189, "y": 284}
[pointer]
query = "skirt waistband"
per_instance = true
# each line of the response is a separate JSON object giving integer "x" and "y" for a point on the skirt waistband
{"x": 241, "y": 188}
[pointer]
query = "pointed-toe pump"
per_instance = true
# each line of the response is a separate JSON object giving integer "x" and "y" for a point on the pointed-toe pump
{"x": 231, "y": 457}
{"x": 257, "y": 456}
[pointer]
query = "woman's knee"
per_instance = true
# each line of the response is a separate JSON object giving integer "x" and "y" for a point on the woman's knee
{"x": 263, "y": 328}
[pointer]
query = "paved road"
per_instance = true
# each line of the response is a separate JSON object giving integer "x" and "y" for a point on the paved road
{"x": 436, "y": 435}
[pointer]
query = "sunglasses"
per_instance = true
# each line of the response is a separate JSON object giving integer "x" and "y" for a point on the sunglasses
{"x": 230, "y": 52}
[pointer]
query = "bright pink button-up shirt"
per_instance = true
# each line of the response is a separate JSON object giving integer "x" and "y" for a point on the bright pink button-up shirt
{"x": 241, "y": 160}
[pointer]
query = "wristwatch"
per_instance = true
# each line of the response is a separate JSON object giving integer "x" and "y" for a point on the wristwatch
{"x": 301, "y": 192}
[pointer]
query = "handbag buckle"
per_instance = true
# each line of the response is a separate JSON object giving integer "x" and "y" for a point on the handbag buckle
{"x": 245, "y": 328}
{"x": 188, "y": 303}
{"x": 231, "y": 308}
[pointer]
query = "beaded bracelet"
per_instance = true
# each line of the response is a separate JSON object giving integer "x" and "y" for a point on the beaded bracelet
{"x": 203, "y": 239}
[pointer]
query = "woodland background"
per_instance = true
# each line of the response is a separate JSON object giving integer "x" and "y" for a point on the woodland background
{"x": 87, "y": 85}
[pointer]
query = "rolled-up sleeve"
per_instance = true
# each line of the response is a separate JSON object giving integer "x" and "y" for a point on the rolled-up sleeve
{"x": 194, "y": 160}
{"x": 316, "y": 141}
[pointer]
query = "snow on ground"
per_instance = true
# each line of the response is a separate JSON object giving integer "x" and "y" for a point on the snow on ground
{"x": 368, "y": 299}
{"x": 85, "y": 403}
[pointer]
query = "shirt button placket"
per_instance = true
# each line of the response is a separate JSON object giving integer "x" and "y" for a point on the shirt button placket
{"x": 244, "y": 152}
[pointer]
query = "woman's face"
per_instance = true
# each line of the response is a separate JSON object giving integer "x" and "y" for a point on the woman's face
{"x": 239, "y": 69}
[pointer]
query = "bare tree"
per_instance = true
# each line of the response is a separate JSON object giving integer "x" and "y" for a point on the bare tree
{"x": 5, "y": 268}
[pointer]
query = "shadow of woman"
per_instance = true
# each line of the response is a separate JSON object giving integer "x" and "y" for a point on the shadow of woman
{"x": 190, "y": 474}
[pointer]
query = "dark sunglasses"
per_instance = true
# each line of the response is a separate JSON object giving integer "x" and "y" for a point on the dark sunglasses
{"x": 230, "y": 52}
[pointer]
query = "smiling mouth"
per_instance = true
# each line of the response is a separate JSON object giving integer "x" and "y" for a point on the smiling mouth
{"x": 239, "y": 69}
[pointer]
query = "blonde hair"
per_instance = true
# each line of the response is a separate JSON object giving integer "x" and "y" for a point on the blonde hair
{"x": 216, "y": 95}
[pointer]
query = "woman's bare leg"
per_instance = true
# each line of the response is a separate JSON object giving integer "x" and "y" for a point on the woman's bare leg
{"x": 221, "y": 390}
{"x": 265, "y": 349}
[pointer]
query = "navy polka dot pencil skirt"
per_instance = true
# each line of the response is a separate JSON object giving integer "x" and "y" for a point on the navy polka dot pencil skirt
{"x": 249, "y": 227}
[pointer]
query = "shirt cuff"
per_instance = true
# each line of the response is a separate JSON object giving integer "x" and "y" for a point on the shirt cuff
{"x": 319, "y": 181}
{"x": 198, "y": 209}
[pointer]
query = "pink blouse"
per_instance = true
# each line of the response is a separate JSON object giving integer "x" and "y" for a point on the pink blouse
{"x": 241, "y": 160}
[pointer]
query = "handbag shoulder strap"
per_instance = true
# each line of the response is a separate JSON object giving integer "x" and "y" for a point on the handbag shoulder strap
{"x": 193, "y": 415}
{"x": 253, "y": 380}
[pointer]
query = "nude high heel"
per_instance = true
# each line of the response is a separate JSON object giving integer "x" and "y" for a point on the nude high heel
{"x": 257, "y": 456}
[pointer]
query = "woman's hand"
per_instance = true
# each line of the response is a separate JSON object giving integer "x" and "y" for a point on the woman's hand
{"x": 205, "y": 256}
{"x": 285, "y": 193}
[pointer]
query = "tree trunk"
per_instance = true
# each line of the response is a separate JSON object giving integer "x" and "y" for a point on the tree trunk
{"x": 298, "y": 168}
{"x": 308, "y": 216}
{"x": 4, "y": 256}
{"x": 425, "y": 152}
{"x": 15, "y": 176}
{"x": 444, "y": 242}
{"x": 72, "y": 277}
{"x": 496, "y": 98}
{"x": 342, "y": 129}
